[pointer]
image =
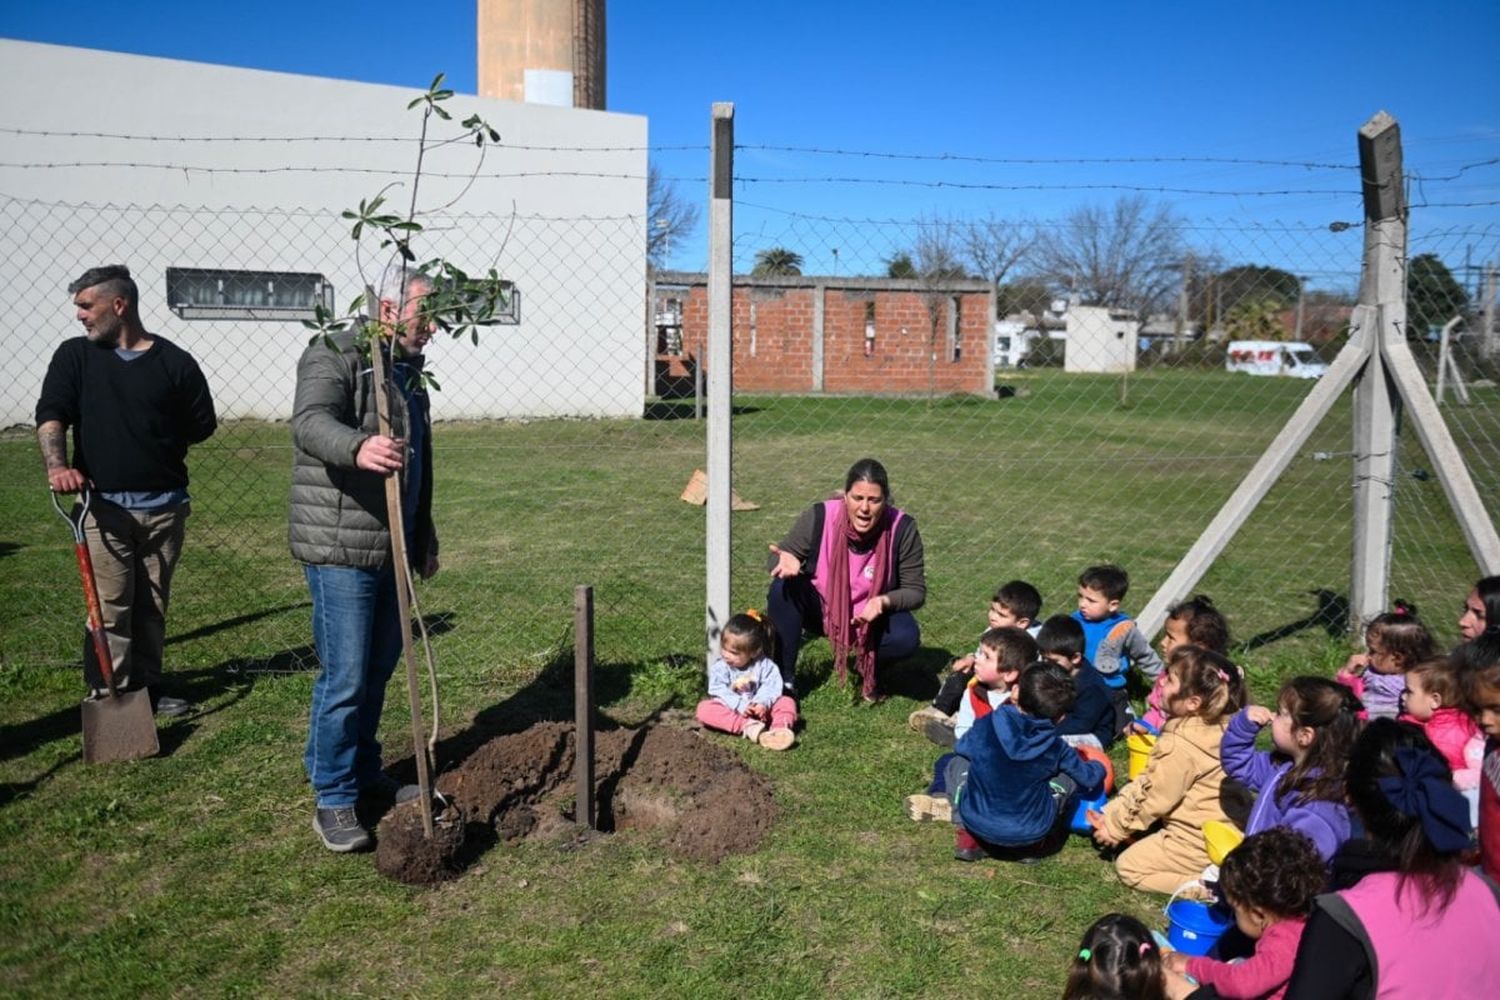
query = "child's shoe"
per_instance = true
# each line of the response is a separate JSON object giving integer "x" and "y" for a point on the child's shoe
{"x": 780, "y": 738}
{"x": 924, "y": 807}
{"x": 753, "y": 729}
{"x": 940, "y": 731}
{"x": 918, "y": 719}
{"x": 966, "y": 848}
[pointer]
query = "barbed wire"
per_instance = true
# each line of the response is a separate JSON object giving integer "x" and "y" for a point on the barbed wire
{"x": 306, "y": 213}
{"x": 1046, "y": 161}
{"x": 50, "y": 133}
{"x": 986, "y": 186}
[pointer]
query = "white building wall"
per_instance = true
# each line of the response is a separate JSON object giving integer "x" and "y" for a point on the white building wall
{"x": 1099, "y": 343}
{"x": 574, "y": 245}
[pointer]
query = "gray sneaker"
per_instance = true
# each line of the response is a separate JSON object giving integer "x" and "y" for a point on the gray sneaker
{"x": 340, "y": 830}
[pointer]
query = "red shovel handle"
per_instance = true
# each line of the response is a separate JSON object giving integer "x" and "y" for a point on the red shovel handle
{"x": 96, "y": 617}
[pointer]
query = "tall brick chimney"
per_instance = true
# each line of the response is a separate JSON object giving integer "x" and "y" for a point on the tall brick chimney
{"x": 542, "y": 51}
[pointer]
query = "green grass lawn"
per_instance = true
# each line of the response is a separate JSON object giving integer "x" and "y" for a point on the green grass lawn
{"x": 196, "y": 872}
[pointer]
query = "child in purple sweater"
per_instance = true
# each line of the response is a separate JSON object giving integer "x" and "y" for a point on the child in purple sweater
{"x": 1301, "y": 783}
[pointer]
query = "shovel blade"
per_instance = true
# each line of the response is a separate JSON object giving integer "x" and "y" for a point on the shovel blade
{"x": 119, "y": 727}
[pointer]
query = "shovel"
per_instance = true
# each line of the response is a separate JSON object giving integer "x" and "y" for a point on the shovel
{"x": 121, "y": 725}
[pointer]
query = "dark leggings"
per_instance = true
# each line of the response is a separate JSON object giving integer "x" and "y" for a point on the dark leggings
{"x": 795, "y": 607}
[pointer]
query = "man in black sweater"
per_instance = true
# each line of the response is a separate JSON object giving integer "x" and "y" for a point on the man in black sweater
{"x": 134, "y": 402}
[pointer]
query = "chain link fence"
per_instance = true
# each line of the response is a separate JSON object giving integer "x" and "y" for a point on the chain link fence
{"x": 1046, "y": 395}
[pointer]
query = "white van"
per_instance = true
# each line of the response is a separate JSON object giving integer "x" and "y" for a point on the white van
{"x": 1275, "y": 357}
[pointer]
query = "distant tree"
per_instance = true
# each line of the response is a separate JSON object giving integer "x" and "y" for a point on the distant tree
{"x": 1433, "y": 297}
{"x": 670, "y": 218}
{"x": 900, "y": 266}
{"x": 1028, "y": 295}
{"x": 1124, "y": 256}
{"x": 1255, "y": 283}
{"x": 993, "y": 246}
{"x": 776, "y": 261}
{"x": 1255, "y": 319}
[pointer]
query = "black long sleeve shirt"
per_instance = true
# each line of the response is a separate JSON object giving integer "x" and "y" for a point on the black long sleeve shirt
{"x": 132, "y": 421}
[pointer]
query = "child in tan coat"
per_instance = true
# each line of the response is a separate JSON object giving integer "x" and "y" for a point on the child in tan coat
{"x": 1180, "y": 788}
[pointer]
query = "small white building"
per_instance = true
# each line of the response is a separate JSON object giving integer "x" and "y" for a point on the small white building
{"x": 222, "y": 188}
{"x": 1099, "y": 341}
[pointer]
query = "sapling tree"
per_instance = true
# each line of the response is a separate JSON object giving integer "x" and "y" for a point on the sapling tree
{"x": 457, "y": 304}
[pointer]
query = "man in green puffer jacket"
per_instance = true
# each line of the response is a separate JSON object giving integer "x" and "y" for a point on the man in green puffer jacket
{"x": 340, "y": 532}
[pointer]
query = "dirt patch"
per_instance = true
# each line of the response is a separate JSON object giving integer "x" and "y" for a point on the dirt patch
{"x": 696, "y": 797}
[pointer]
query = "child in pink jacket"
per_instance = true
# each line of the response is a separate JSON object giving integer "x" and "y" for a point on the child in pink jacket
{"x": 1269, "y": 881}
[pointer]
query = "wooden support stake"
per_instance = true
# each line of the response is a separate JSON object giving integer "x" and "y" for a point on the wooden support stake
{"x": 583, "y": 702}
{"x": 397, "y": 524}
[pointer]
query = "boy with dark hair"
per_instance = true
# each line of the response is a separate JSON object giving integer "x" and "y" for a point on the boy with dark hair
{"x": 1003, "y": 653}
{"x": 1111, "y": 640}
{"x": 1092, "y": 718}
{"x": 1014, "y": 776}
{"x": 1014, "y": 604}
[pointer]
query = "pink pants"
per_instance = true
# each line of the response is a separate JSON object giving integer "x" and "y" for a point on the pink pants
{"x": 714, "y": 714}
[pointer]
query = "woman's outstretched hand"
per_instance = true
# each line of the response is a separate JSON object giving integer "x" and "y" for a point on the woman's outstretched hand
{"x": 787, "y": 565}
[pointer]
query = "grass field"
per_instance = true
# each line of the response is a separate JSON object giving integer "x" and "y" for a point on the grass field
{"x": 196, "y": 873}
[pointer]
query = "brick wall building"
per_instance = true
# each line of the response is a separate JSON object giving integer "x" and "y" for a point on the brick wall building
{"x": 836, "y": 335}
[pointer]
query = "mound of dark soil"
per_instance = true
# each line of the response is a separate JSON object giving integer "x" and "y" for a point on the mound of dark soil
{"x": 697, "y": 798}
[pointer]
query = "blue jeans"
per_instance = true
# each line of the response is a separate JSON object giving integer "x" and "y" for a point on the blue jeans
{"x": 357, "y": 629}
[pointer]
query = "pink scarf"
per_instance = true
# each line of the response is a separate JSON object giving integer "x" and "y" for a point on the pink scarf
{"x": 838, "y": 607}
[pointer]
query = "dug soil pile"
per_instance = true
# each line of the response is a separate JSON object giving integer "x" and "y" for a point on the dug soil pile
{"x": 694, "y": 796}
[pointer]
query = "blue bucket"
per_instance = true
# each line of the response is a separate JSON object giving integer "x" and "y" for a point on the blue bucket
{"x": 1080, "y": 821}
{"x": 1194, "y": 927}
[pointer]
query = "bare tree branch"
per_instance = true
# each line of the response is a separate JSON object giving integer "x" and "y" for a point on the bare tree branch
{"x": 1124, "y": 256}
{"x": 670, "y": 218}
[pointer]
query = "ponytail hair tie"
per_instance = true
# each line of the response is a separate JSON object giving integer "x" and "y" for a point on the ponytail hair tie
{"x": 1085, "y": 954}
{"x": 751, "y": 612}
{"x": 1223, "y": 677}
{"x": 1145, "y": 948}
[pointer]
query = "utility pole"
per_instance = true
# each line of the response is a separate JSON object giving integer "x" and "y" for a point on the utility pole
{"x": 1490, "y": 344}
{"x": 1301, "y": 297}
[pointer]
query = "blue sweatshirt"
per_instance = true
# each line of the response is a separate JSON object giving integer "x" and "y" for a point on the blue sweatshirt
{"x": 1007, "y": 797}
{"x": 1094, "y": 711}
{"x": 1114, "y": 644}
{"x": 759, "y": 682}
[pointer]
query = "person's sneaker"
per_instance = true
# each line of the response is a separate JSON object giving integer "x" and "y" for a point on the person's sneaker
{"x": 939, "y": 732}
{"x": 923, "y": 807}
{"x": 169, "y": 707}
{"x": 753, "y": 729}
{"x": 917, "y": 719}
{"x": 340, "y": 830}
{"x": 388, "y": 789}
{"x": 780, "y": 738}
{"x": 966, "y": 848}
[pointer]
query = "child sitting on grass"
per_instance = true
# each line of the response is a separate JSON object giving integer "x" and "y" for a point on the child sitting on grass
{"x": 1180, "y": 789}
{"x": 1270, "y": 882}
{"x": 1013, "y": 779}
{"x": 1434, "y": 701}
{"x": 1301, "y": 783}
{"x": 744, "y": 687}
{"x": 1092, "y": 718}
{"x": 1117, "y": 959}
{"x": 1015, "y": 605}
{"x": 1002, "y": 654}
{"x": 1194, "y": 622}
{"x": 1111, "y": 640}
{"x": 1394, "y": 643}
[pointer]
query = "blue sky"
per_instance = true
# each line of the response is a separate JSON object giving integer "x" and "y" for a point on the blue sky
{"x": 993, "y": 80}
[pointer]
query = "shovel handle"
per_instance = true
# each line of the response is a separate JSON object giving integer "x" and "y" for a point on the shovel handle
{"x": 96, "y": 617}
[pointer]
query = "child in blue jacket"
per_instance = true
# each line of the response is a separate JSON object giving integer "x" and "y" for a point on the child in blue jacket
{"x": 1014, "y": 777}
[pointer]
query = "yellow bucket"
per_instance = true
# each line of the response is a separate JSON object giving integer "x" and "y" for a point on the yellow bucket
{"x": 1219, "y": 838}
{"x": 1139, "y": 745}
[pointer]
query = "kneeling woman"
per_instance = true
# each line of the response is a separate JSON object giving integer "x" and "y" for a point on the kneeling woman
{"x": 850, "y": 569}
